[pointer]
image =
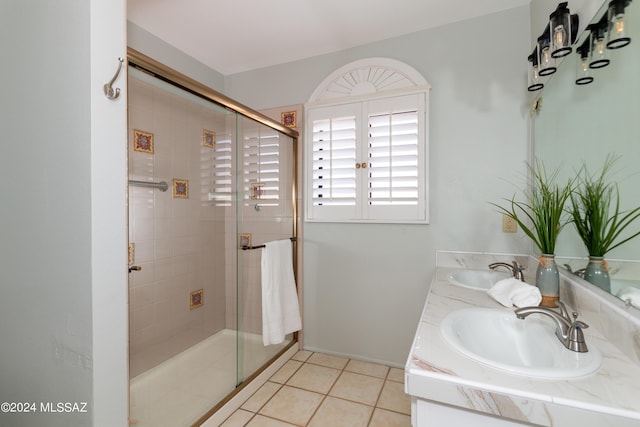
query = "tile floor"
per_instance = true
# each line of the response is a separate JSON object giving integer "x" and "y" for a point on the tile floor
{"x": 316, "y": 390}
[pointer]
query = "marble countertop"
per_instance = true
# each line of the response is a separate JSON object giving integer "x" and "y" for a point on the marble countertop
{"x": 437, "y": 372}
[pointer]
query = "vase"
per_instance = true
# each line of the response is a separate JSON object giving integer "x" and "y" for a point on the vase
{"x": 548, "y": 280}
{"x": 597, "y": 273}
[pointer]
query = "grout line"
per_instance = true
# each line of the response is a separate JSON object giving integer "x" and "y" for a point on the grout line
{"x": 327, "y": 394}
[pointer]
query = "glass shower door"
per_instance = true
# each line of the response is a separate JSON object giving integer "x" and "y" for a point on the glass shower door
{"x": 265, "y": 213}
{"x": 183, "y": 344}
{"x": 196, "y": 306}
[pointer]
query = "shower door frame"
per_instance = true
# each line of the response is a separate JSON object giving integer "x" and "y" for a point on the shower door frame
{"x": 152, "y": 67}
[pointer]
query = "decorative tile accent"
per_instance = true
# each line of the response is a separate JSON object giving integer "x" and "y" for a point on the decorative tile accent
{"x": 288, "y": 119}
{"x": 257, "y": 190}
{"x": 132, "y": 253}
{"x": 244, "y": 239}
{"x": 181, "y": 188}
{"x": 142, "y": 141}
{"x": 208, "y": 138}
{"x": 196, "y": 299}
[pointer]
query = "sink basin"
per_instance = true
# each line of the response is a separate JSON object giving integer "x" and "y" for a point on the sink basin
{"x": 477, "y": 279}
{"x": 499, "y": 339}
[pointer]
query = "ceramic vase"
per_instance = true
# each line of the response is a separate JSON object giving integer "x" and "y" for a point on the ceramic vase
{"x": 548, "y": 280}
{"x": 597, "y": 273}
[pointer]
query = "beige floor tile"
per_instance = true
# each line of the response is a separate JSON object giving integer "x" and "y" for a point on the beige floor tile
{"x": 367, "y": 368}
{"x": 238, "y": 419}
{"x": 394, "y": 398}
{"x": 302, "y": 355}
{"x": 292, "y": 405}
{"x": 286, "y": 371}
{"x": 396, "y": 374}
{"x": 328, "y": 360}
{"x": 337, "y": 412}
{"x": 260, "y": 421}
{"x": 314, "y": 378}
{"x": 384, "y": 418}
{"x": 358, "y": 388}
{"x": 260, "y": 397}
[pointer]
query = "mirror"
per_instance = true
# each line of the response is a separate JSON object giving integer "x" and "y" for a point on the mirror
{"x": 578, "y": 125}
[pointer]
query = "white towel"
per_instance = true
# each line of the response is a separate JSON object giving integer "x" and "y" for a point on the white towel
{"x": 630, "y": 294}
{"x": 280, "y": 309}
{"x": 512, "y": 291}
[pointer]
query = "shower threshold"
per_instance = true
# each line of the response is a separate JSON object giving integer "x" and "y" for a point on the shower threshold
{"x": 178, "y": 391}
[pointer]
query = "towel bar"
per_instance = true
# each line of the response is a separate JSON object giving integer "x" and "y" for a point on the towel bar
{"x": 162, "y": 186}
{"x": 246, "y": 248}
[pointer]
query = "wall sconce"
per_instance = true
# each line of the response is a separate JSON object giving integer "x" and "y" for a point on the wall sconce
{"x": 618, "y": 31}
{"x": 563, "y": 29}
{"x": 546, "y": 62}
{"x": 535, "y": 82}
{"x": 611, "y": 31}
{"x": 598, "y": 44}
{"x": 583, "y": 73}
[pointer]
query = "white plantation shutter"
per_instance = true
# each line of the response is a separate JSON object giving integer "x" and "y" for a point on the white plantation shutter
{"x": 393, "y": 159}
{"x": 333, "y": 192}
{"x": 396, "y": 153}
{"x": 261, "y": 164}
{"x": 372, "y": 169}
{"x": 222, "y": 174}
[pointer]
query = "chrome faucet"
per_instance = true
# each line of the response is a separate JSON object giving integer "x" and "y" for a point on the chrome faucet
{"x": 568, "y": 331}
{"x": 515, "y": 269}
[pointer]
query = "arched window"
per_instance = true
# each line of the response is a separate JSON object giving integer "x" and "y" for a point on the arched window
{"x": 367, "y": 145}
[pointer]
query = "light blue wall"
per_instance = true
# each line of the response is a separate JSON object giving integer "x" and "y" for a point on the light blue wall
{"x": 150, "y": 45}
{"x": 63, "y": 288}
{"x": 364, "y": 285}
{"x": 45, "y": 213}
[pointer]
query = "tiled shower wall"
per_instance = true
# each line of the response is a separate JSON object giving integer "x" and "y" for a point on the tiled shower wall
{"x": 187, "y": 244}
{"x": 179, "y": 242}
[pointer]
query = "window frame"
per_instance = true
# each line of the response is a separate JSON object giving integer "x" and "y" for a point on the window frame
{"x": 364, "y": 212}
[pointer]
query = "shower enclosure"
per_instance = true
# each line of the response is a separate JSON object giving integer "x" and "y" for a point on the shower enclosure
{"x": 209, "y": 180}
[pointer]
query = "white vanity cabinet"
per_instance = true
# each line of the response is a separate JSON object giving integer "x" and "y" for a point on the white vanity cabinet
{"x": 432, "y": 414}
{"x": 448, "y": 388}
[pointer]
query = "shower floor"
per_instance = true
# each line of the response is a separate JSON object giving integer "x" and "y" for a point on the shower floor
{"x": 179, "y": 391}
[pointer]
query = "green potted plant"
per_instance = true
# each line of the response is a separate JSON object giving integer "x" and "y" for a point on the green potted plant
{"x": 542, "y": 216}
{"x": 596, "y": 215}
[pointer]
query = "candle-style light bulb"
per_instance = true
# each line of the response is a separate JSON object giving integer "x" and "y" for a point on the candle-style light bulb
{"x": 598, "y": 46}
{"x": 559, "y": 35}
{"x": 618, "y": 31}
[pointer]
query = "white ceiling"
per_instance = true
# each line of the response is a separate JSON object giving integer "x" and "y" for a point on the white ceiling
{"x": 232, "y": 36}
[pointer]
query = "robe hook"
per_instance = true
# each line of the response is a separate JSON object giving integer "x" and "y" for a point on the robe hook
{"x": 109, "y": 91}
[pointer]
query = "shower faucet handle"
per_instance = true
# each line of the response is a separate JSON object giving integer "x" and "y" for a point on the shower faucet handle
{"x": 134, "y": 268}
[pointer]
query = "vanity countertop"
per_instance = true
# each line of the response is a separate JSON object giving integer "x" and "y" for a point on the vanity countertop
{"x": 436, "y": 372}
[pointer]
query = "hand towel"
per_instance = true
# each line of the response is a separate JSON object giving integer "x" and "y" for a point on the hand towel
{"x": 512, "y": 291}
{"x": 280, "y": 309}
{"x": 630, "y": 295}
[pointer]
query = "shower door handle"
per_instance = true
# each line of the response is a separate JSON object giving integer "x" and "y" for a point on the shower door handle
{"x": 134, "y": 268}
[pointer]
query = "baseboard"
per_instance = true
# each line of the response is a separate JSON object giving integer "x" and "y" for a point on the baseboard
{"x": 353, "y": 356}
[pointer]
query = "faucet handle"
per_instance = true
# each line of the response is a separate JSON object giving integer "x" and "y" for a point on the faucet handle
{"x": 575, "y": 338}
{"x": 518, "y": 270}
{"x": 565, "y": 312}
